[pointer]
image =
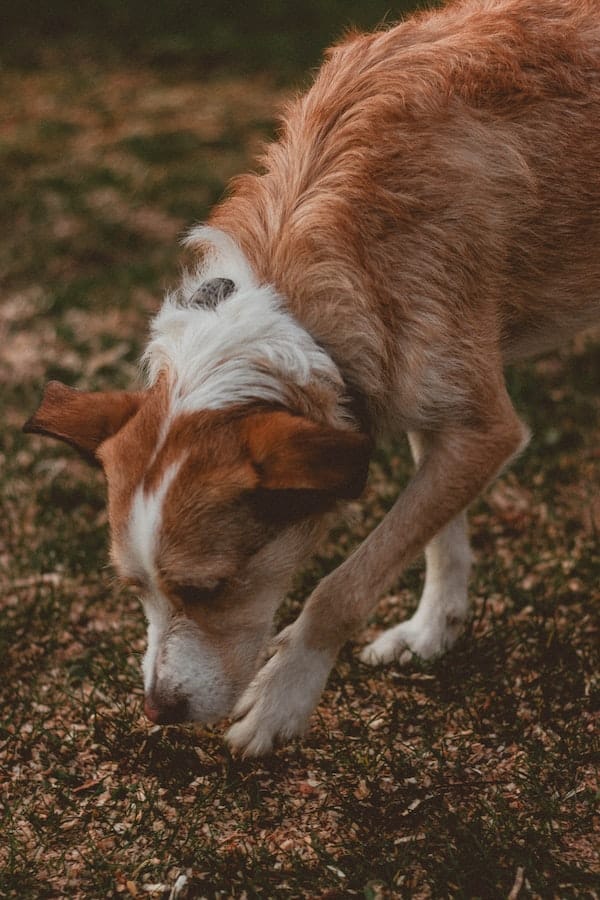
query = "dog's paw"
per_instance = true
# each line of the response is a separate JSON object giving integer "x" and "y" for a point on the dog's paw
{"x": 409, "y": 639}
{"x": 388, "y": 647}
{"x": 278, "y": 703}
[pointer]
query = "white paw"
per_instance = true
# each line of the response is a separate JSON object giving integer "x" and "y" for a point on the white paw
{"x": 411, "y": 638}
{"x": 278, "y": 703}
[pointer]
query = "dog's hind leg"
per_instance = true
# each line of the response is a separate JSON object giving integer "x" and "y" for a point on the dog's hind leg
{"x": 444, "y": 604}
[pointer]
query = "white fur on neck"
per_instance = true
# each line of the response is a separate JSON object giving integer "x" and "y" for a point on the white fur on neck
{"x": 246, "y": 349}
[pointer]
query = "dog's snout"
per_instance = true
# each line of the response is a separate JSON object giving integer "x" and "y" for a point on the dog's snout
{"x": 151, "y": 710}
{"x": 165, "y": 712}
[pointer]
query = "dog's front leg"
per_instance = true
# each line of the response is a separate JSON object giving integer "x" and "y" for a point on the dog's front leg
{"x": 458, "y": 463}
{"x": 280, "y": 700}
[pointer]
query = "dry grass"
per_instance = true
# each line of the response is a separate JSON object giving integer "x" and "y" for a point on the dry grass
{"x": 476, "y": 776}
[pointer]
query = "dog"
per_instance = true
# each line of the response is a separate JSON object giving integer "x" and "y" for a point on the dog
{"x": 430, "y": 212}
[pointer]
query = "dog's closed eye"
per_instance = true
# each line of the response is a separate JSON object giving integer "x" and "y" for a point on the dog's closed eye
{"x": 197, "y": 595}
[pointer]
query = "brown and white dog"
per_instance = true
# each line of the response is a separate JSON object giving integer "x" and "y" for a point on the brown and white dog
{"x": 430, "y": 212}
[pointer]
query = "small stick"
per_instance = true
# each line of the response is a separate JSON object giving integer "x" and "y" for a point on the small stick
{"x": 516, "y": 888}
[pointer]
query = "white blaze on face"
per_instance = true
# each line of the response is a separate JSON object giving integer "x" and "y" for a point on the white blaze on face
{"x": 179, "y": 660}
{"x": 144, "y": 528}
{"x": 145, "y": 522}
{"x": 158, "y": 616}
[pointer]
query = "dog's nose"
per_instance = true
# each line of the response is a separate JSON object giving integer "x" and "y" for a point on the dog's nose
{"x": 166, "y": 712}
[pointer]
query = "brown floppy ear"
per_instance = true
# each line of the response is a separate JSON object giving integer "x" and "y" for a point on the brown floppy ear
{"x": 294, "y": 453}
{"x": 83, "y": 419}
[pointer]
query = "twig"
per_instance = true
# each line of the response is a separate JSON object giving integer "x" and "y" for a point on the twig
{"x": 516, "y": 888}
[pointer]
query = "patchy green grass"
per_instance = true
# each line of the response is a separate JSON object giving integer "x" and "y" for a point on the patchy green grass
{"x": 466, "y": 778}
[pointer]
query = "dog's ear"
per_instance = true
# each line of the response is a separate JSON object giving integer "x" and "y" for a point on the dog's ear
{"x": 293, "y": 453}
{"x": 83, "y": 419}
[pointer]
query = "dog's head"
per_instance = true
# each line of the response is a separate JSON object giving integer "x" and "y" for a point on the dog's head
{"x": 211, "y": 512}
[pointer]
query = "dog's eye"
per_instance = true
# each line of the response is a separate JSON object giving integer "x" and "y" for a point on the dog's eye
{"x": 196, "y": 595}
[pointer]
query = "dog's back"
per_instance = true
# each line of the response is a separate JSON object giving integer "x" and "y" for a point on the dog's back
{"x": 450, "y": 162}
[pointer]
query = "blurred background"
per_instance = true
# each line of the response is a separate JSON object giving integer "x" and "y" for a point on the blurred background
{"x": 276, "y": 35}
{"x": 122, "y": 124}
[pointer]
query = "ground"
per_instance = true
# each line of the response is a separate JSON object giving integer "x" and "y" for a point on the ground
{"x": 473, "y": 776}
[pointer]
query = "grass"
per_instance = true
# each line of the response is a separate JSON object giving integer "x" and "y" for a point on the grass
{"x": 465, "y": 778}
